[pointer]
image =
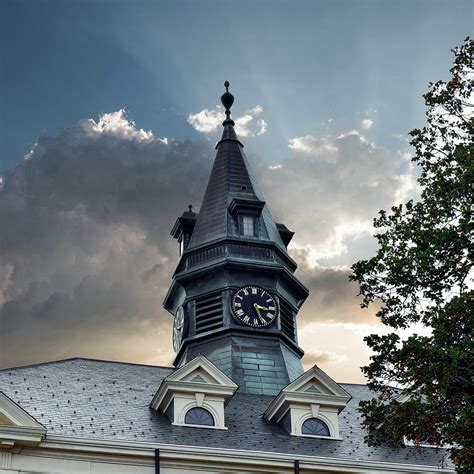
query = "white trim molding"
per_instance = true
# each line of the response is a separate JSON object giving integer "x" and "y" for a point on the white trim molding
{"x": 18, "y": 427}
{"x": 210, "y": 460}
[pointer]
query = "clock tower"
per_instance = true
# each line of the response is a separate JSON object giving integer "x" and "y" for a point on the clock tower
{"x": 234, "y": 295}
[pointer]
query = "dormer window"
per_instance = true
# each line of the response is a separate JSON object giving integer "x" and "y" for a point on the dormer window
{"x": 199, "y": 416}
{"x": 195, "y": 395}
{"x": 246, "y": 209}
{"x": 248, "y": 226}
{"x": 309, "y": 406}
{"x": 315, "y": 427}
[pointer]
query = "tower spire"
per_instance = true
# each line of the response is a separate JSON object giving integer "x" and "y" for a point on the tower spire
{"x": 232, "y": 249}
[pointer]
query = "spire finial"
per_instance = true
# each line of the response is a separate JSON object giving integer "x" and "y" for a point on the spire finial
{"x": 227, "y": 100}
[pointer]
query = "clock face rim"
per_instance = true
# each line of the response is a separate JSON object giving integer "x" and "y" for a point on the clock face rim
{"x": 178, "y": 332}
{"x": 248, "y": 324}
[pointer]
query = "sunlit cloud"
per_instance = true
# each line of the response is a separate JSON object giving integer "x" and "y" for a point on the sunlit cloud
{"x": 118, "y": 124}
{"x": 250, "y": 124}
{"x": 367, "y": 123}
{"x": 312, "y": 145}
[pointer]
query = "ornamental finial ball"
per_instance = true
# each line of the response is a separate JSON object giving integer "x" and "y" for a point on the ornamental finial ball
{"x": 227, "y": 98}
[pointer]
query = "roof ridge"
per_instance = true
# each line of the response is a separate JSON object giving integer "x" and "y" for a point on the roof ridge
{"x": 69, "y": 359}
{"x": 352, "y": 383}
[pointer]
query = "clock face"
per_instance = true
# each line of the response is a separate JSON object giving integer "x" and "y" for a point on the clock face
{"x": 178, "y": 328}
{"x": 254, "y": 306}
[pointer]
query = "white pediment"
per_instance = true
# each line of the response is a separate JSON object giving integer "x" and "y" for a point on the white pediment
{"x": 17, "y": 426}
{"x": 200, "y": 370}
{"x": 197, "y": 376}
{"x": 315, "y": 380}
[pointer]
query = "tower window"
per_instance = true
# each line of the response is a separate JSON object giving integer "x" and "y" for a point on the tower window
{"x": 315, "y": 427}
{"x": 199, "y": 416}
{"x": 248, "y": 226}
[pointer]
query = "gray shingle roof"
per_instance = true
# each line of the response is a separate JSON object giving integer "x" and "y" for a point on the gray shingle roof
{"x": 110, "y": 400}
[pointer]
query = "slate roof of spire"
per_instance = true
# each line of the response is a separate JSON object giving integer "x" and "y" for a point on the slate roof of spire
{"x": 106, "y": 400}
{"x": 231, "y": 177}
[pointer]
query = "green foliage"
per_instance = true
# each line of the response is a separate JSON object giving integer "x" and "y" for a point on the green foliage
{"x": 422, "y": 273}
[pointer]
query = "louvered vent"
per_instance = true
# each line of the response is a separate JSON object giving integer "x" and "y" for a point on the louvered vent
{"x": 208, "y": 313}
{"x": 287, "y": 318}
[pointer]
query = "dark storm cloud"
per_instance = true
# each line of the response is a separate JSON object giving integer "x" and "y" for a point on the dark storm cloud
{"x": 85, "y": 251}
{"x": 332, "y": 298}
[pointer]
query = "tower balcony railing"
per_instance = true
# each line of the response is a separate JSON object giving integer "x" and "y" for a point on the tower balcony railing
{"x": 241, "y": 250}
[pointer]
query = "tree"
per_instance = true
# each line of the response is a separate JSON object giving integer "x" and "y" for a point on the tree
{"x": 422, "y": 273}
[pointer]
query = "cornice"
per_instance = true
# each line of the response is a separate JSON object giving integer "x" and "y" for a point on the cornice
{"x": 177, "y": 455}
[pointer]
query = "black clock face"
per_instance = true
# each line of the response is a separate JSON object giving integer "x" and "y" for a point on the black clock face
{"x": 178, "y": 328}
{"x": 254, "y": 306}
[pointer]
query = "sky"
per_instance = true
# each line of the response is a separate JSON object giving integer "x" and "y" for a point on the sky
{"x": 109, "y": 111}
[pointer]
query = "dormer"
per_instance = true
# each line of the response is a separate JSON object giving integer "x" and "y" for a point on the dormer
{"x": 183, "y": 228}
{"x": 195, "y": 395}
{"x": 246, "y": 208}
{"x": 285, "y": 233}
{"x": 17, "y": 427}
{"x": 309, "y": 406}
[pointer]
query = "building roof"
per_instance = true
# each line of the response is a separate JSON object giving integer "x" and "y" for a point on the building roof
{"x": 111, "y": 401}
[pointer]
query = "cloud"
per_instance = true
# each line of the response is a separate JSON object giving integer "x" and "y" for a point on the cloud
{"x": 332, "y": 298}
{"x": 329, "y": 190}
{"x": 312, "y": 145}
{"x": 85, "y": 251}
{"x": 207, "y": 121}
{"x": 319, "y": 357}
{"x": 338, "y": 350}
{"x": 86, "y": 257}
{"x": 250, "y": 124}
{"x": 367, "y": 123}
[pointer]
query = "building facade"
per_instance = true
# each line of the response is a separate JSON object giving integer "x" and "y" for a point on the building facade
{"x": 236, "y": 400}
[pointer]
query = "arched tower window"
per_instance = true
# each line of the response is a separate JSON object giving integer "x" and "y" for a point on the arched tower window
{"x": 315, "y": 427}
{"x": 199, "y": 416}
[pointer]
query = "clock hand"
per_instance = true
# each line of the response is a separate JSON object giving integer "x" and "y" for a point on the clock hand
{"x": 261, "y": 307}
{"x": 257, "y": 309}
